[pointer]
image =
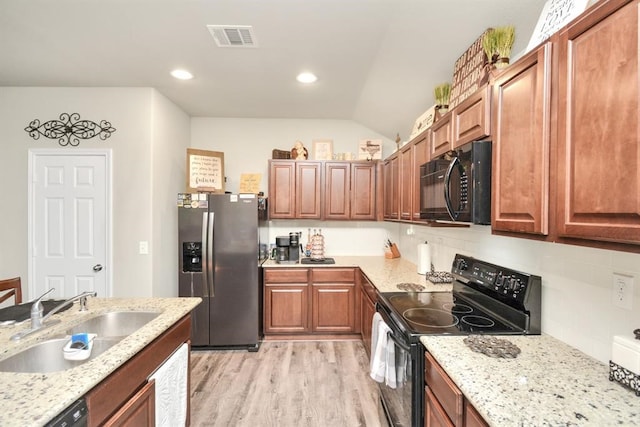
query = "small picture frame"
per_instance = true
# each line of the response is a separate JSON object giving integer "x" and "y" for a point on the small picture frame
{"x": 205, "y": 171}
{"x": 424, "y": 121}
{"x": 322, "y": 149}
{"x": 370, "y": 149}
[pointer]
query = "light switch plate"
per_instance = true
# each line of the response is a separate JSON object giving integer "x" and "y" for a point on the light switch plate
{"x": 143, "y": 248}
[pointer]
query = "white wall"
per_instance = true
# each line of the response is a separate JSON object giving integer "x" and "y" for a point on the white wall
{"x": 577, "y": 305}
{"x": 131, "y": 111}
{"x": 247, "y": 143}
{"x": 171, "y": 130}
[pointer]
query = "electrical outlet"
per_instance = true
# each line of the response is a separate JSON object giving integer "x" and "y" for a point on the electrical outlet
{"x": 143, "y": 248}
{"x": 622, "y": 294}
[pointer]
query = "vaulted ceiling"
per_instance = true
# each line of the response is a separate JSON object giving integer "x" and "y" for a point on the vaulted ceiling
{"x": 377, "y": 61}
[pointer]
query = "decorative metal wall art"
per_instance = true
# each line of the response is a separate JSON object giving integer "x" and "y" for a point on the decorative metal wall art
{"x": 69, "y": 130}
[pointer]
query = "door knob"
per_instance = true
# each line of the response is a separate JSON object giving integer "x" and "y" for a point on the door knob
{"x": 97, "y": 267}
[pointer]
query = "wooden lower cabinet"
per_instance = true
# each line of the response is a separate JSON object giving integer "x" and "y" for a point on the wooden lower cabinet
{"x": 367, "y": 310}
{"x": 286, "y": 308}
{"x": 445, "y": 405}
{"x": 126, "y": 397}
{"x": 140, "y": 410}
{"x": 302, "y": 300}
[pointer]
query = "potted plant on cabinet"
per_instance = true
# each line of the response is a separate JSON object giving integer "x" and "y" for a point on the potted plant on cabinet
{"x": 497, "y": 43}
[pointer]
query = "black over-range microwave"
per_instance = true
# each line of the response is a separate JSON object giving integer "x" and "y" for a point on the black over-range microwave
{"x": 457, "y": 185}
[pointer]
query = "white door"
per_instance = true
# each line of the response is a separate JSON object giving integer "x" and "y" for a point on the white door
{"x": 69, "y": 217}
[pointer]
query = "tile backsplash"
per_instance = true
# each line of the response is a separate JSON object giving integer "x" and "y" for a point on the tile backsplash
{"x": 577, "y": 282}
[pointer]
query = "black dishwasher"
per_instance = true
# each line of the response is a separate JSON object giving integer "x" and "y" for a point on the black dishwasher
{"x": 76, "y": 415}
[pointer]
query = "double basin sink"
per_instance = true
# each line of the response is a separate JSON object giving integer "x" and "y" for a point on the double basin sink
{"x": 47, "y": 356}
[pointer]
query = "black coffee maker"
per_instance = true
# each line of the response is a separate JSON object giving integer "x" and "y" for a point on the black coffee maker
{"x": 288, "y": 248}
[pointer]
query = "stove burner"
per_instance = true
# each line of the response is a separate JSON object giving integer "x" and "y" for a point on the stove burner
{"x": 478, "y": 321}
{"x": 430, "y": 317}
{"x": 457, "y": 308}
{"x": 410, "y": 287}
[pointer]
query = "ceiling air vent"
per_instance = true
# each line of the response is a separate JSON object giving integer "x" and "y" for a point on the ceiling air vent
{"x": 233, "y": 35}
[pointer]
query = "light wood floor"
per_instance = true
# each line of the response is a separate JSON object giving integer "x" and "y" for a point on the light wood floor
{"x": 299, "y": 383}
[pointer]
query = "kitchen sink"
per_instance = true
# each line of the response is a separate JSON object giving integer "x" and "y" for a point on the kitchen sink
{"x": 47, "y": 356}
{"x": 115, "y": 324}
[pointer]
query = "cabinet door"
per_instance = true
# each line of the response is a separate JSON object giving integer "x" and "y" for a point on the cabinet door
{"x": 337, "y": 180}
{"x": 286, "y": 308}
{"x": 472, "y": 118}
{"x": 367, "y": 310}
{"x": 308, "y": 190}
{"x": 282, "y": 186}
{"x": 420, "y": 157}
{"x": 434, "y": 416}
{"x": 444, "y": 389}
{"x": 138, "y": 411}
{"x": 598, "y": 149}
{"x": 441, "y": 136}
{"x": 406, "y": 178}
{"x": 334, "y": 307}
{"x": 363, "y": 191}
{"x": 472, "y": 418}
{"x": 521, "y": 134}
{"x": 391, "y": 182}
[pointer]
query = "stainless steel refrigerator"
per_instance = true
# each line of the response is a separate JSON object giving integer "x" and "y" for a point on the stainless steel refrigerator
{"x": 220, "y": 256}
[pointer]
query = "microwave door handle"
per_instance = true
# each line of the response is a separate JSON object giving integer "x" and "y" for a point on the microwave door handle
{"x": 205, "y": 255}
{"x": 447, "y": 190}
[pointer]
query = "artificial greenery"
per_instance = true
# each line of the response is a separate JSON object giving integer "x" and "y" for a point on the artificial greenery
{"x": 497, "y": 43}
{"x": 441, "y": 93}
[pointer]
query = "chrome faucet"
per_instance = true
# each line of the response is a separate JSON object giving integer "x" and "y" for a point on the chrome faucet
{"x": 38, "y": 321}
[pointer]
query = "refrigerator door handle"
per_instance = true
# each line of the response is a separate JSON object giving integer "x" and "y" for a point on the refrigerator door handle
{"x": 205, "y": 256}
{"x": 211, "y": 261}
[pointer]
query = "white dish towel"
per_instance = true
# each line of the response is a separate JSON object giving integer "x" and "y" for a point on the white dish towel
{"x": 382, "y": 367}
{"x": 171, "y": 389}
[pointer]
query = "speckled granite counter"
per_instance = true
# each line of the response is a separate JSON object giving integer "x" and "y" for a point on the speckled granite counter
{"x": 34, "y": 399}
{"x": 548, "y": 384}
{"x": 384, "y": 273}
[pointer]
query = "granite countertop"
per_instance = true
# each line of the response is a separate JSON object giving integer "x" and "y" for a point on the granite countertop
{"x": 384, "y": 273}
{"x": 548, "y": 384}
{"x": 32, "y": 399}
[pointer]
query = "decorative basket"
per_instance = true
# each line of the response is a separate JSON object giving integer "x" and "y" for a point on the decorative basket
{"x": 280, "y": 154}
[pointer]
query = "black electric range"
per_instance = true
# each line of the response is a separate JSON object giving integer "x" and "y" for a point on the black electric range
{"x": 485, "y": 299}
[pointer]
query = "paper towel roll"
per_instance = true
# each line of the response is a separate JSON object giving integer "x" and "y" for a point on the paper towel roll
{"x": 424, "y": 258}
{"x": 626, "y": 353}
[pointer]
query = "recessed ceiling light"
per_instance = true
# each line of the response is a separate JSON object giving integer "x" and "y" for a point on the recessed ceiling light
{"x": 182, "y": 74}
{"x": 306, "y": 78}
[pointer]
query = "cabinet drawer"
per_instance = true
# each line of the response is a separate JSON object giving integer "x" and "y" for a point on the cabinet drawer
{"x": 285, "y": 275}
{"x": 447, "y": 393}
{"x": 333, "y": 275}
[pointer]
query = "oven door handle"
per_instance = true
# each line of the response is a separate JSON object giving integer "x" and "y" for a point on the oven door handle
{"x": 398, "y": 343}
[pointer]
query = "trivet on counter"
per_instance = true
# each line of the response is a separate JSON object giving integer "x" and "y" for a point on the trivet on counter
{"x": 410, "y": 287}
{"x": 439, "y": 277}
{"x": 492, "y": 347}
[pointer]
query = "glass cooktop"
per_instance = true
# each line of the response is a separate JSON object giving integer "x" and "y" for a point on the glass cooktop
{"x": 443, "y": 313}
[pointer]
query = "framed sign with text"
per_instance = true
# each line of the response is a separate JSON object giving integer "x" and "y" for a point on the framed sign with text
{"x": 205, "y": 171}
{"x": 469, "y": 72}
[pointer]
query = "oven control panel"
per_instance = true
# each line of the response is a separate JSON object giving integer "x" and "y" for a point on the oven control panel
{"x": 507, "y": 283}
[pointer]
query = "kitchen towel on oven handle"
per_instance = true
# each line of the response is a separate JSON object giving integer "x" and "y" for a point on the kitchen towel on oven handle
{"x": 382, "y": 367}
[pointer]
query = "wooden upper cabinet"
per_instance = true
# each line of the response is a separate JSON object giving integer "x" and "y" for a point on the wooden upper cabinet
{"x": 363, "y": 190}
{"x": 521, "y": 134}
{"x": 350, "y": 190}
{"x": 308, "y": 189}
{"x": 406, "y": 176}
{"x": 472, "y": 118}
{"x": 420, "y": 147}
{"x": 282, "y": 189}
{"x": 337, "y": 181}
{"x": 598, "y": 151}
{"x": 391, "y": 186}
{"x": 441, "y": 134}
